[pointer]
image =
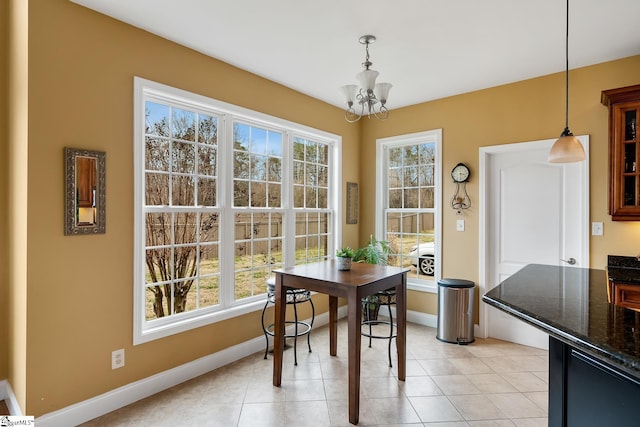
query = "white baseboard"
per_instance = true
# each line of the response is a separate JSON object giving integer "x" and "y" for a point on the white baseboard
{"x": 6, "y": 394}
{"x": 422, "y": 318}
{"x": 413, "y": 316}
{"x": 115, "y": 399}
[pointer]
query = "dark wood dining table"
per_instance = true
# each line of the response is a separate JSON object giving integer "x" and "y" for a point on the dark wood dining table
{"x": 361, "y": 281}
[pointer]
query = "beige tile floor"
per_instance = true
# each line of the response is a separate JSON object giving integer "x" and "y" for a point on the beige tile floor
{"x": 486, "y": 383}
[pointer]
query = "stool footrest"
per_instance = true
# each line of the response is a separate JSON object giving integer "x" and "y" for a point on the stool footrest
{"x": 306, "y": 328}
{"x": 380, "y": 322}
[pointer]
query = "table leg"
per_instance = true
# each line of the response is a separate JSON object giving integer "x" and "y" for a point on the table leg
{"x": 355, "y": 340}
{"x": 333, "y": 325}
{"x": 401, "y": 321}
{"x": 278, "y": 329}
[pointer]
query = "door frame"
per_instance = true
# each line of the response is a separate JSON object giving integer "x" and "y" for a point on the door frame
{"x": 484, "y": 212}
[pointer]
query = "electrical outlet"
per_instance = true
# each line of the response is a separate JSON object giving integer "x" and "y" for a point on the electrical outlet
{"x": 460, "y": 225}
{"x": 117, "y": 359}
{"x": 597, "y": 229}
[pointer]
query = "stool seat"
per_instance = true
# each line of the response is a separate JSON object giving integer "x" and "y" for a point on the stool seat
{"x": 293, "y": 297}
{"x": 387, "y": 297}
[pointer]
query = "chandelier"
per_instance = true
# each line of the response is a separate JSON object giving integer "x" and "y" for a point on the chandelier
{"x": 371, "y": 97}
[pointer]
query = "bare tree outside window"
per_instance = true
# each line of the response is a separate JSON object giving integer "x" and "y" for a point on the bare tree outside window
{"x": 181, "y": 236}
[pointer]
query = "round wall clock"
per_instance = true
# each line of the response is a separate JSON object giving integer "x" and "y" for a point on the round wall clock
{"x": 460, "y": 173}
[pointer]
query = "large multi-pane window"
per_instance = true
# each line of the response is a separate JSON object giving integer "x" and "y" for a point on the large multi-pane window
{"x": 223, "y": 197}
{"x": 409, "y": 191}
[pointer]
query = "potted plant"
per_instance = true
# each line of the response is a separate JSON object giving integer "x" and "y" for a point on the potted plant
{"x": 374, "y": 252}
{"x": 343, "y": 258}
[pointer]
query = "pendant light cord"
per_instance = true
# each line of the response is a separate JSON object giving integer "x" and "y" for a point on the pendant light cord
{"x": 566, "y": 53}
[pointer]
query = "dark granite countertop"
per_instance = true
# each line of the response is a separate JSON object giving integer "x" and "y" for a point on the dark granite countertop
{"x": 571, "y": 304}
{"x": 624, "y": 275}
{"x": 623, "y": 269}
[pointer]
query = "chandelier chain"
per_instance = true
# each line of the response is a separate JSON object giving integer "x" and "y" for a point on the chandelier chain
{"x": 366, "y": 62}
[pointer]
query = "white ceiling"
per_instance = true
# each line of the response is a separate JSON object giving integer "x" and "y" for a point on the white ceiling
{"x": 428, "y": 49}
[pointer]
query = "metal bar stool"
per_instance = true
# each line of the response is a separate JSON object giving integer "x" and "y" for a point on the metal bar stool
{"x": 294, "y": 297}
{"x": 385, "y": 298}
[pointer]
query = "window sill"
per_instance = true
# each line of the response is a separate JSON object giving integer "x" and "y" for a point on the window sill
{"x": 428, "y": 287}
{"x": 151, "y": 333}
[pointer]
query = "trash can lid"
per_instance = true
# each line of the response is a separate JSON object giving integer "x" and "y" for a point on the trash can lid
{"x": 455, "y": 283}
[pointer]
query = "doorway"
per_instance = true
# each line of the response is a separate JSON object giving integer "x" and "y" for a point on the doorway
{"x": 532, "y": 212}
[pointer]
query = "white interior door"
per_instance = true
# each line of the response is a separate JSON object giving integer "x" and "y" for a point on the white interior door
{"x": 535, "y": 212}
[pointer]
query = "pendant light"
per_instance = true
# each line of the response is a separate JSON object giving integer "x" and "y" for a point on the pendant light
{"x": 567, "y": 148}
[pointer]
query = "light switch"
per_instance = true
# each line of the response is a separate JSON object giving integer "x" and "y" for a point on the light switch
{"x": 460, "y": 225}
{"x": 597, "y": 229}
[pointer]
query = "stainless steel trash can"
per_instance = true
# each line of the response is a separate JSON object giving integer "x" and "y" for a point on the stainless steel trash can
{"x": 455, "y": 311}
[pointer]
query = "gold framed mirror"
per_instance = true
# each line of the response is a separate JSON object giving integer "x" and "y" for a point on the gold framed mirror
{"x": 85, "y": 192}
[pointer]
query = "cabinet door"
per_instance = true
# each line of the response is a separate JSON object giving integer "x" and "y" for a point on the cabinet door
{"x": 629, "y": 150}
{"x": 598, "y": 395}
{"x": 586, "y": 392}
{"x": 625, "y": 178}
{"x": 626, "y": 295}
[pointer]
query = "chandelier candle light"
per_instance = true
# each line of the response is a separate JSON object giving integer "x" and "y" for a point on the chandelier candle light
{"x": 372, "y": 97}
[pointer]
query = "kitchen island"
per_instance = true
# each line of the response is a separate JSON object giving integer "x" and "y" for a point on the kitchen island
{"x": 594, "y": 346}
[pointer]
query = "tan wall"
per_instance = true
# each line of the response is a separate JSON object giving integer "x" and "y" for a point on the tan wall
{"x": 81, "y": 69}
{"x": 80, "y": 72}
{"x": 4, "y": 137}
{"x": 17, "y": 185}
{"x": 524, "y": 111}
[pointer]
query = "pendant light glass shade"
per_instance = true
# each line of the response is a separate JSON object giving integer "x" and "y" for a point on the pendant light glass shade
{"x": 367, "y": 79}
{"x": 566, "y": 149}
{"x": 349, "y": 92}
{"x": 382, "y": 90}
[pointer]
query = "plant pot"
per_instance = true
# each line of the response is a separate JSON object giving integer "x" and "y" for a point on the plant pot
{"x": 344, "y": 264}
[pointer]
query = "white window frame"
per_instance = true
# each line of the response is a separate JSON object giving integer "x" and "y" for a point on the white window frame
{"x": 148, "y": 90}
{"x": 382, "y": 145}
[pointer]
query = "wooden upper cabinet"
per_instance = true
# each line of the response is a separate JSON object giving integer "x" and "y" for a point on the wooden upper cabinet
{"x": 624, "y": 152}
